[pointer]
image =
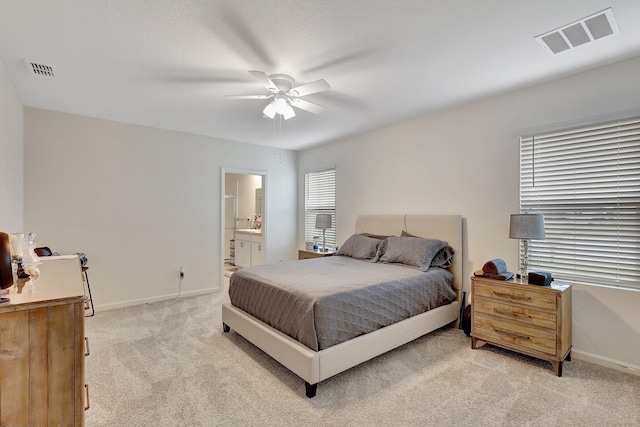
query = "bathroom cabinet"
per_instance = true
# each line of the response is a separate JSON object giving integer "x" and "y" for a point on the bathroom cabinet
{"x": 249, "y": 249}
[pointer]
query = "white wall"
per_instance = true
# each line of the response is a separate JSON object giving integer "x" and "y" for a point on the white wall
{"x": 141, "y": 202}
{"x": 465, "y": 161}
{"x": 11, "y": 149}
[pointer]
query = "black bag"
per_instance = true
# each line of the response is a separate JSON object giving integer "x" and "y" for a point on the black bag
{"x": 6, "y": 272}
{"x": 466, "y": 320}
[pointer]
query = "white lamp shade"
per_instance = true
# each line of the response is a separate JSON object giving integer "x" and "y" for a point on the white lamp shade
{"x": 527, "y": 227}
{"x": 323, "y": 221}
{"x": 270, "y": 110}
{"x": 288, "y": 112}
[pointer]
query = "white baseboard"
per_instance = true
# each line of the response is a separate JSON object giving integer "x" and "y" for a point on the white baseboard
{"x": 605, "y": 361}
{"x": 128, "y": 303}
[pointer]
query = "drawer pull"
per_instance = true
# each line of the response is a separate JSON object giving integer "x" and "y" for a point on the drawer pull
{"x": 512, "y": 334}
{"x": 511, "y": 296}
{"x": 511, "y": 313}
{"x": 86, "y": 346}
{"x": 86, "y": 392}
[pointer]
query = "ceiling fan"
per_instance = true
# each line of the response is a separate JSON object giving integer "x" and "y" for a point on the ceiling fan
{"x": 284, "y": 96}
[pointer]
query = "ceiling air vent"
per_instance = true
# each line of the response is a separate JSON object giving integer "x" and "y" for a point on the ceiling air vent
{"x": 586, "y": 30}
{"x": 39, "y": 69}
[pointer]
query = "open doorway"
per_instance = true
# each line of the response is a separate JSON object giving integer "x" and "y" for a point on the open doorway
{"x": 243, "y": 219}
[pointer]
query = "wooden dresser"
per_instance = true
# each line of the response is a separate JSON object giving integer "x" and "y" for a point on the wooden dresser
{"x": 533, "y": 320}
{"x": 42, "y": 349}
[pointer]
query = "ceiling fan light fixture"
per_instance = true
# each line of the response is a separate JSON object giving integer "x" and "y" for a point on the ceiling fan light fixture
{"x": 283, "y": 96}
{"x": 281, "y": 103}
{"x": 288, "y": 112}
{"x": 270, "y": 110}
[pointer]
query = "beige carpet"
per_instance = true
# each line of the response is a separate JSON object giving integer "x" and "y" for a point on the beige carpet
{"x": 169, "y": 364}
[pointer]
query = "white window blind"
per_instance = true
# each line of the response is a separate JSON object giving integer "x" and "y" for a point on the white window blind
{"x": 586, "y": 182}
{"x": 320, "y": 197}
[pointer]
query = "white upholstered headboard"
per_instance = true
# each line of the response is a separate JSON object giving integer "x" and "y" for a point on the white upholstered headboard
{"x": 442, "y": 227}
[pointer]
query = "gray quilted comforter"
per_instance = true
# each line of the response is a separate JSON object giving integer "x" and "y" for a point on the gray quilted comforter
{"x": 325, "y": 301}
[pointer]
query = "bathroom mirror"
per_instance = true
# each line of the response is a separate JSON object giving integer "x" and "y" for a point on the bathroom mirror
{"x": 259, "y": 197}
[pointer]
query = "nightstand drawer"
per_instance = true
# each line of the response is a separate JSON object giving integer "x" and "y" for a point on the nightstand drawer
{"x": 516, "y": 295}
{"x": 504, "y": 332}
{"x": 518, "y": 313}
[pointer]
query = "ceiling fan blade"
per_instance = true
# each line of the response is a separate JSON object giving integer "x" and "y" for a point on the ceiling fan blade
{"x": 313, "y": 87}
{"x": 307, "y": 106}
{"x": 242, "y": 35}
{"x": 354, "y": 58}
{"x": 264, "y": 79}
{"x": 248, "y": 96}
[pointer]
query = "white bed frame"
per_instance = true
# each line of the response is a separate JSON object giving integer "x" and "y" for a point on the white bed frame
{"x": 315, "y": 366}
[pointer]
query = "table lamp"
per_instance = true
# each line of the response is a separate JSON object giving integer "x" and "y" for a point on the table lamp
{"x": 323, "y": 221}
{"x": 526, "y": 227}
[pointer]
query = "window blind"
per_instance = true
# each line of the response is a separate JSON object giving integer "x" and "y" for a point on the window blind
{"x": 320, "y": 197}
{"x": 586, "y": 182}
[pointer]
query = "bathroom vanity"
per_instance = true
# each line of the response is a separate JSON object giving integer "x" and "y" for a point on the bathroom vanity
{"x": 249, "y": 248}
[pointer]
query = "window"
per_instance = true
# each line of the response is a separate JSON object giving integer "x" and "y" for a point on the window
{"x": 586, "y": 182}
{"x": 320, "y": 197}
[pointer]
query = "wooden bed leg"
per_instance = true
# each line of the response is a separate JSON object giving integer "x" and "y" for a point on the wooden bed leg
{"x": 310, "y": 389}
{"x": 225, "y": 327}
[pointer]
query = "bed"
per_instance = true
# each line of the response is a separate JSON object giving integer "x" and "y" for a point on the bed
{"x": 315, "y": 363}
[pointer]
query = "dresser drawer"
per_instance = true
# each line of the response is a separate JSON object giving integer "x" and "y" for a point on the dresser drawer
{"x": 507, "y": 333}
{"x": 516, "y": 312}
{"x": 515, "y": 295}
{"x": 241, "y": 237}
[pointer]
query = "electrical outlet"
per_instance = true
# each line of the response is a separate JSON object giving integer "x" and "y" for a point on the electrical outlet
{"x": 182, "y": 272}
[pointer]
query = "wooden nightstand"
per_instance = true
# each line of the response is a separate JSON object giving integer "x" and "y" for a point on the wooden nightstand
{"x": 302, "y": 254}
{"x": 533, "y": 320}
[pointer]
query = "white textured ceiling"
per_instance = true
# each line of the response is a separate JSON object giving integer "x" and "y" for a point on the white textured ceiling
{"x": 169, "y": 63}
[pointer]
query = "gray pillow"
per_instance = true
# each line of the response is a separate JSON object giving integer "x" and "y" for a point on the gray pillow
{"x": 359, "y": 247}
{"x": 380, "y": 251}
{"x": 442, "y": 259}
{"x": 414, "y": 252}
